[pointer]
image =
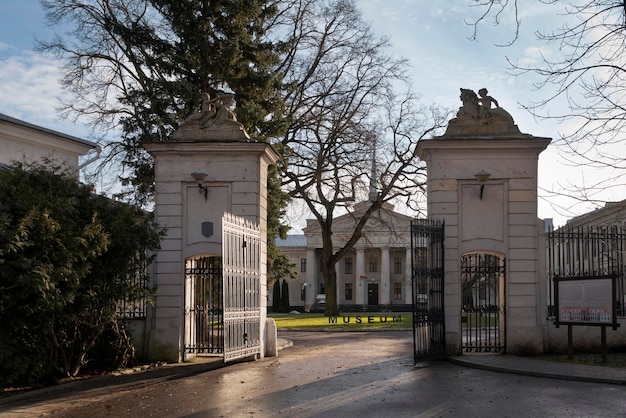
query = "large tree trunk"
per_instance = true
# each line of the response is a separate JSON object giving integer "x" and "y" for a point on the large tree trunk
{"x": 330, "y": 285}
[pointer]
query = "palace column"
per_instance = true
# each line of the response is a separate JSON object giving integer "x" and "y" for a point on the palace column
{"x": 385, "y": 291}
{"x": 338, "y": 281}
{"x": 311, "y": 277}
{"x": 360, "y": 273}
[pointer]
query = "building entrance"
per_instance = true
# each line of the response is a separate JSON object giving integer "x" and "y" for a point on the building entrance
{"x": 483, "y": 311}
{"x": 372, "y": 293}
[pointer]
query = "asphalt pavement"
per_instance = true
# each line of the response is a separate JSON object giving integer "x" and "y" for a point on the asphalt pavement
{"x": 94, "y": 388}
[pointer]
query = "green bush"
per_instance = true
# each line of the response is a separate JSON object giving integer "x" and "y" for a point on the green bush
{"x": 66, "y": 256}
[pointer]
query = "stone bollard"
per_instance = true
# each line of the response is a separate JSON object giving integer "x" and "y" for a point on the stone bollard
{"x": 271, "y": 338}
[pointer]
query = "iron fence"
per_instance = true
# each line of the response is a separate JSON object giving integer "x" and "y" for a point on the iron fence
{"x": 134, "y": 304}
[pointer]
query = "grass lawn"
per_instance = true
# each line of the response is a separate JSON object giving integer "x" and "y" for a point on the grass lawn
{"x": 367, "y": 321}
{"x": 370, "y": 321}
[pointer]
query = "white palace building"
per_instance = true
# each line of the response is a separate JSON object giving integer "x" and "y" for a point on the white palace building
{"x": 376, "y": 273}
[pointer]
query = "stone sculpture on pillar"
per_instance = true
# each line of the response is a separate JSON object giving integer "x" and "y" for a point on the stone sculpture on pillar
{"x": 476, "y": 117}
{"x": 215, "y": 122}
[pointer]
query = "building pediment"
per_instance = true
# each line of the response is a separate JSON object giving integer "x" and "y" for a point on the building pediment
{"x": 385, "y": 226}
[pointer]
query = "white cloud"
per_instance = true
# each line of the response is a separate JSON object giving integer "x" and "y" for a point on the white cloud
{"x": 534, "y": 55}
{"x": 30, "y": 88}
{"x": 5, "y": 46}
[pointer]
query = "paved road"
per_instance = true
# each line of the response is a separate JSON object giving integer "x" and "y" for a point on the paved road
{"x": 354, "y": 375}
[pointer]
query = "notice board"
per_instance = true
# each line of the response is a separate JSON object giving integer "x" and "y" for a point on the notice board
{"x": 585, "y": 301}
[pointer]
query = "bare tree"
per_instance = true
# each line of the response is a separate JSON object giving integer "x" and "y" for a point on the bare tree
{"x": 341, "y": 108}
{"x": 583, "y": 80}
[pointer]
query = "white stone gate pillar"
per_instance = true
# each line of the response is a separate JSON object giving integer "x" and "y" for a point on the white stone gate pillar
{"x": 230, "y": 175}
{"x": 482, "y": 181}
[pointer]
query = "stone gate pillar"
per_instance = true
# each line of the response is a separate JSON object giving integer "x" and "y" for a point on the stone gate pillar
{"x": 482, "y": 181}
{"x": 210, "y": 149}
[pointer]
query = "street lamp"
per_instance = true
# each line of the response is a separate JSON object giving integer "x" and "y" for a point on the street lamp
{"x": 199, "y": 176}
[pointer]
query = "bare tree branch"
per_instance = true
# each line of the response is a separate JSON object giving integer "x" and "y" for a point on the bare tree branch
{"x": 343, "y": 109}
{"x": 584, "y": 83}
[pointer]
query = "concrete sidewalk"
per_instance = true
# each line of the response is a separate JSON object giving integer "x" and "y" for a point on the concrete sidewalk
{"x": 540, "y": 368}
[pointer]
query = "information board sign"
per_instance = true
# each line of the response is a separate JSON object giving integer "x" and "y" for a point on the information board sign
{"x": 586, "y": 301}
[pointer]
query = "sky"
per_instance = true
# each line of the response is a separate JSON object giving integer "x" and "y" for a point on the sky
{"x": 433, "y": 35}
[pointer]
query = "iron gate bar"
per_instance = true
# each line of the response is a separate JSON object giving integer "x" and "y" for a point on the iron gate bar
{"x": 204, "y": 319}
{"x": 482, "y": 313}
{"x": 427, "y": 280}
{"x": 241, "y": 243}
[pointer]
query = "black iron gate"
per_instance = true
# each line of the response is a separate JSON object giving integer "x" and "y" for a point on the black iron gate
{"x": 223, "y": 295}
{"x": 483, "y": 313}
{"x": 427, "y": 248}
{"x": 204, "y": 312}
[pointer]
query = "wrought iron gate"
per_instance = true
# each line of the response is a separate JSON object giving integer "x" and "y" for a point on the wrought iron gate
{"x": 427, "y": 248}
{"x": 483, "y": 313}
{"x": 204, "y": 320}
{"x": 222, "y": 295}
{"x": 241, "y": 251}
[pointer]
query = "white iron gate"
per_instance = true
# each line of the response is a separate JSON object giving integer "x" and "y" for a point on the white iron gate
{"x": 241, "y": 258}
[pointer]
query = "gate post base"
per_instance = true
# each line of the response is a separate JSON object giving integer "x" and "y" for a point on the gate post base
{"x": 525, "y": 340}
{"x": 453, "y": 343}
{"x": 271, "y": 338}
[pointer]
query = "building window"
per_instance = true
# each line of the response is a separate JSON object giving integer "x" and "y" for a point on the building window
{"x": 303, "y": 265}
{"x": 303, "y": 291}
{"x": 397, "y": 265}
{"x": 348, "y": 265}
{"x": 348, "y": 291}
{"x": 373, "y": 265}
{"x": 322, "y": 289}
{"x": 397, "y": 291}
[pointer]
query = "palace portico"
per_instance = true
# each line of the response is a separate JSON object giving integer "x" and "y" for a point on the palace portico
{"x": 376, "y": 272}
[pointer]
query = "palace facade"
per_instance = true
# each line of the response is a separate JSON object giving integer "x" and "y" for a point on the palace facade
{"x": 374, "y": 275}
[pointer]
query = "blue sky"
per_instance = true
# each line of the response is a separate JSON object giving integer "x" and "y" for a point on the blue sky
{"x": 432, "y": 35}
